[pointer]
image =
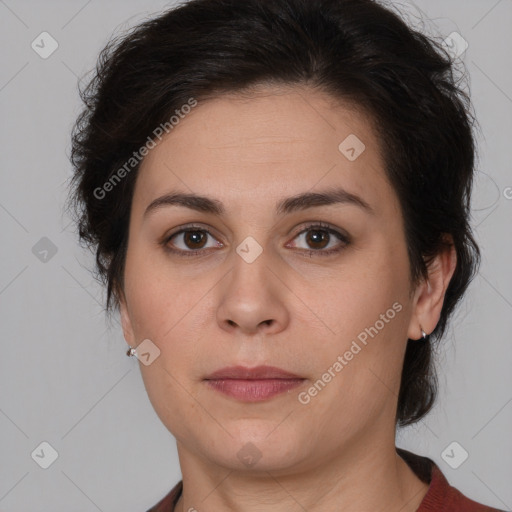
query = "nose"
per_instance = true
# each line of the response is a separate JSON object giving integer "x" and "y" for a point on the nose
{"x": 253, "y": 299}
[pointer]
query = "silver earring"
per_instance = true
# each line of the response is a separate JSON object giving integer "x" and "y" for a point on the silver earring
{"x": 423, "y": 333}
{"x": 131, "y": 352}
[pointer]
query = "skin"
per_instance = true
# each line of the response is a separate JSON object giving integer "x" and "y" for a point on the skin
{"x": 289, "y": 308}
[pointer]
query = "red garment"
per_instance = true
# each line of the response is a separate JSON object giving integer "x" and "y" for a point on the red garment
{"x": 441, "y": 497}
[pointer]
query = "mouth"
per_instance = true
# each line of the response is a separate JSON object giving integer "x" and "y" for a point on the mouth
{"x": 253, "y": 384}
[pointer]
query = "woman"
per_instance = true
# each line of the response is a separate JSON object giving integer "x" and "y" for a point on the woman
{"x": 278, "y": 194}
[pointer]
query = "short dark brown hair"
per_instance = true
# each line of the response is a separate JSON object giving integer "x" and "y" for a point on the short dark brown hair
{"x": 354, "y": 50}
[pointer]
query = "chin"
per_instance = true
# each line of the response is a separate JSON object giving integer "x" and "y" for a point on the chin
{"x": 256, "y": 445}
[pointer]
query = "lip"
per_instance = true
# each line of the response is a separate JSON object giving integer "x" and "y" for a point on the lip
{"x": 258, "y": 372}
{"x": 252, "y": 384}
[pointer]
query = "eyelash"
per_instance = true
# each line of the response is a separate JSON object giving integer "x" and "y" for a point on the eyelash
{"x": 319, "y": 226}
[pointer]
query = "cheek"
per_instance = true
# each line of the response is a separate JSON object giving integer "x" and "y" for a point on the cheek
{"x": 170, "y": 310}
{"x": 358, "y": 373}
{"x": 368, "y": 312}
{"x": 167, "y": 391}
{"x": 161, "y": 296}
{"x": 366, "y": 286}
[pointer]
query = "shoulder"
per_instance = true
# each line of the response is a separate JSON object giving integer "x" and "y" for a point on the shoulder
{"x": 441, "y": 496}
{"x": 167, "y": 503}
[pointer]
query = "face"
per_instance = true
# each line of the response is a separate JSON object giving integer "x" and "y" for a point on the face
{"x": 263, "y": 233}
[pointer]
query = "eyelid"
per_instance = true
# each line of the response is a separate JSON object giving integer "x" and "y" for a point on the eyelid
{"x": 344, "y": 237}
{"x": 189, "y": 227}
{"x": 184, "y": 229}
{"x": 322, "y": 226}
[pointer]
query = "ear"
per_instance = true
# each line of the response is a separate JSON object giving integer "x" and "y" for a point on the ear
{"x": 126, "y": 322}
{"x": 429, "y": 295}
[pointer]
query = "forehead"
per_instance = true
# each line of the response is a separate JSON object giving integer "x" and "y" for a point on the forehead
{"x": 266, "y": 145}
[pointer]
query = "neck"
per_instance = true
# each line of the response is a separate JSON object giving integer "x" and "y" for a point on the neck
{"x": 369, "y": 478}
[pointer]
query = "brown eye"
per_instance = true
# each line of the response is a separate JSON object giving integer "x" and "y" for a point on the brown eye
{"x": 191, "y": 241}
{"x": 194, "y": 239}
{"x": 318, "y": 238}
{"x": 321, "y": 240}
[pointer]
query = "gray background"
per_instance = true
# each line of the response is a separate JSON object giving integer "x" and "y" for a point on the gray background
{"x": 64, "y": 378}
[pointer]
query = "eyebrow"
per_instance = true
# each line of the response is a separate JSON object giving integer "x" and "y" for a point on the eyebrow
{"x": 286, "y": 206}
